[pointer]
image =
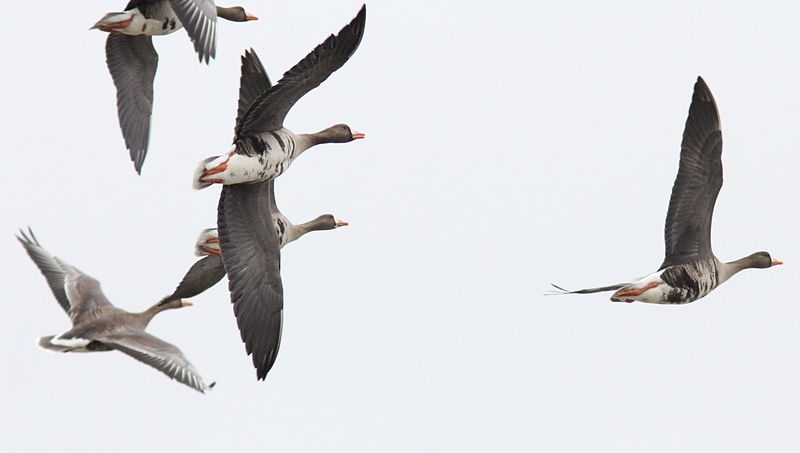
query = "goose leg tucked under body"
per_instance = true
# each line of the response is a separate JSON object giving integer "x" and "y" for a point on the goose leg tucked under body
{"x": 690, "y": 270}
{"x": 97, "y": 325}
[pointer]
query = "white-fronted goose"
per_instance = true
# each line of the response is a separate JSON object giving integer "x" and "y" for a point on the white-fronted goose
{"x": 209, "y": 270}
{"x": 132, "y": 59}
{"x": 208, "y": 241}
{"x": 97, "y": 325}
{"x": 690, "y": 270}
{"x": 262, "y": 148}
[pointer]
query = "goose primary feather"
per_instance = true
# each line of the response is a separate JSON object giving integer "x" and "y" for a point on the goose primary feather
{"x": 262, "y": 147}
{"x": 132, "y": 60}
{"x": 690, "y": 269}
{"x": 209, "y": 269}
{"x": 97, "y": 325}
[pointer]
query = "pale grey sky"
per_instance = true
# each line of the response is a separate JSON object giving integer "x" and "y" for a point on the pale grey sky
{"x": 509, "y": 144}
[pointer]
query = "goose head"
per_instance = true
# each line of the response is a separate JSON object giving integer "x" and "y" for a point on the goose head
{"x": 328, "y": 222}
{"x": 171, "y": 304}
{"x": 338, "y": 133}
{"x": 762, "y": 260}
{"x": 235, "y": 14}
{"x": 321, "y": 223}
{"x": 164, "y": 304}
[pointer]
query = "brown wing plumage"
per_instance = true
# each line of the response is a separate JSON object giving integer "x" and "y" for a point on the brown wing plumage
{"x": 78, "y": 294}
{"x": 160, "y": 355}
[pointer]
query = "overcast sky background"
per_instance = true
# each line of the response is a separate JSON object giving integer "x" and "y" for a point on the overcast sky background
{"x": 509, "y": 144}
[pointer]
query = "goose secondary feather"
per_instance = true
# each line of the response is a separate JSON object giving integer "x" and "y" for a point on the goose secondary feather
{"x": 132, "y": 60}
{"x": 97, "y": 325}
{"x": 209, "y": 269}
{"x": 262, "y": 147}
{"x": 251, "y": 255}
{"x": 248, "y": 241}
{"x": 208, "y": 241}
{"x": 690, "y": 269}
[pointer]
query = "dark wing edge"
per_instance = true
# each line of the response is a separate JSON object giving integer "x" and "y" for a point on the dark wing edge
{"x": 79, "y": 294}
{"x": 687, "y": 230}
{"x": 48, "y": 266}
{"x": 132, "y": 62}
{"x": 160, "y": 355}
{"x": 251, "y": 253}
{"x": 269, "y": 110}
{"x": 199, "y": 19}
{"x": 253, "y": 82}
{"x": 202, "y": 275}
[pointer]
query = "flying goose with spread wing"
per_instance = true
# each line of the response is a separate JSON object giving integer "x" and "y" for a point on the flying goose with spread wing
{"x": 248, "y": 241}
{"x": 262, "y": 147}
{"x": 97, "y": 325}
{"x": 132, "y": 60}
{"x": 209, "y": 270}
{"x": 690, "y": 269}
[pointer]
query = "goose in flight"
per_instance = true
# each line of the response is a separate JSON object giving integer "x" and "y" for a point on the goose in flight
{"x": 132, "y": 60}
{"x": 248, "y": 241}
{"x": 690, "y": 269}
{"x": 209, "y": 270}
{"x": 97, "y": 325}
{"x": 262, "y": 147}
